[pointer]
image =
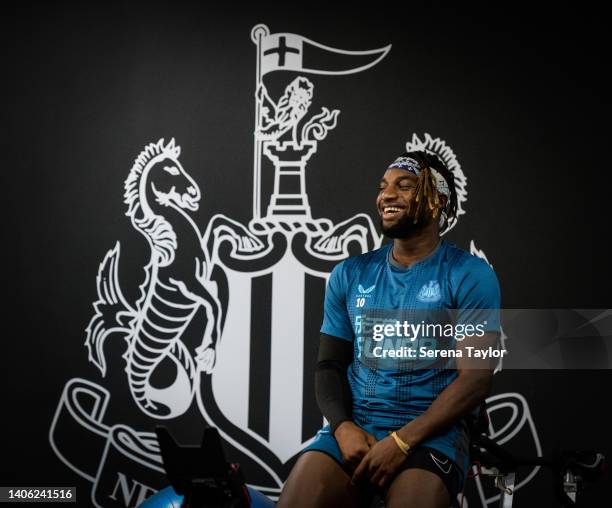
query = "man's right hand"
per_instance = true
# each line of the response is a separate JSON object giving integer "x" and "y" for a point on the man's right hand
{"x": 354, "y": 443}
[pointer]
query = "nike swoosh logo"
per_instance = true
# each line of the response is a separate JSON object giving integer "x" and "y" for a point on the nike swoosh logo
{"x": 439, "y": 463}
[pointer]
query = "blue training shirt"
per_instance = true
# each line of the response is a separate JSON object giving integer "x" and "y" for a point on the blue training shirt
{"x": 375, "y": 284}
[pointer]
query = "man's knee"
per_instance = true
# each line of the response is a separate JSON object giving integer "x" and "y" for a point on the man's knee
{"x": 417, "y": 488}
{"x": 317, "y": 480}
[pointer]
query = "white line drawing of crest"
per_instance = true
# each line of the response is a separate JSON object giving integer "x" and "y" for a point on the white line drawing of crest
{"x": 255, "y": 283}
{"x": 279, "y": 261}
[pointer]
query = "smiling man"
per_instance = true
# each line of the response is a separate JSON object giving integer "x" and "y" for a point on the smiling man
{"x": 398, "y": 429}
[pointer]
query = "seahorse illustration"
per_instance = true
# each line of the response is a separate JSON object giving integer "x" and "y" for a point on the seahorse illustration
{"x": 159, "y": 194}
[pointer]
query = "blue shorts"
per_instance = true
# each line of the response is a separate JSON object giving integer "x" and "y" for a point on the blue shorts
{"x": 429, "y": 455}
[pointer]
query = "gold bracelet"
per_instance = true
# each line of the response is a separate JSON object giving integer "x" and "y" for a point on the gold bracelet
{"x": 405, "y": 447}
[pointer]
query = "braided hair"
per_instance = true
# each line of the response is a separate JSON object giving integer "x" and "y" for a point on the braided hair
{"x": 426, "y": 192}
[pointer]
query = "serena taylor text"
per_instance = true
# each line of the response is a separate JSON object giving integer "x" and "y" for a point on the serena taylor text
{"x": 425, "y": 352}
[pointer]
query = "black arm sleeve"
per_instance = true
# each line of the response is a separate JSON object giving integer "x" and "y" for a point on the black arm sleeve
{"x": 331, "y": 384}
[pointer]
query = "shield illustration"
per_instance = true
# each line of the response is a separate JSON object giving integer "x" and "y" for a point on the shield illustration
{"x": 260, "y": 394}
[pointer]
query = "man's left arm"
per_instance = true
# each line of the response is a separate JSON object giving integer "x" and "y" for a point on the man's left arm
{"x": 478, "y": 301}
{"x": 459, "y": 398}
{"x": 469, "y": 389}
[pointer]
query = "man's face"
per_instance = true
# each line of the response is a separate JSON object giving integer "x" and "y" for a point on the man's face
{"x": 395, "y": 204}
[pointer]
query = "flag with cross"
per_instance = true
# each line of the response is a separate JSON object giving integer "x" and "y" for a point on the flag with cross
{"x": 291, "y": 52}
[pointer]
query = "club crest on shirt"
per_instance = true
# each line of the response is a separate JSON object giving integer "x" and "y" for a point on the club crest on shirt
{"x": 430, "y": 292}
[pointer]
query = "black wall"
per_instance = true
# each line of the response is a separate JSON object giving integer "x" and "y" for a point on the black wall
{"x": 521, "y": 96}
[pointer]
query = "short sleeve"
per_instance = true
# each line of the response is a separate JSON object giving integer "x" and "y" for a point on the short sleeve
{"x": 336, "y": 320}
{"x": 478, "y": 297}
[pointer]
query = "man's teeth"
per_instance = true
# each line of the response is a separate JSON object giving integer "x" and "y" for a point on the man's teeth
{"x": 390, "y": 209}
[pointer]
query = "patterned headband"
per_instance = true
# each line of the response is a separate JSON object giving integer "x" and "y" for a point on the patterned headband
{"x": 409, "y": 164}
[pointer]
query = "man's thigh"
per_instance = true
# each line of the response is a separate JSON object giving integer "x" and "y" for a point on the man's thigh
{"x": 318, "y": 481}
{"x": 417, "y": 488}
